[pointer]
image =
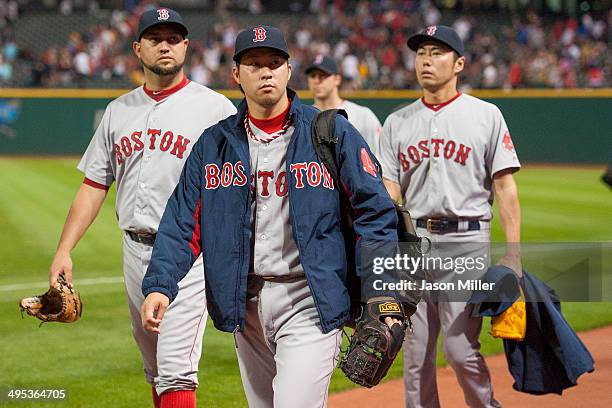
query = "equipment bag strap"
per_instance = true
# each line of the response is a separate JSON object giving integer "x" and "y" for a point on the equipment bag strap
{"x": 324, "y": 140}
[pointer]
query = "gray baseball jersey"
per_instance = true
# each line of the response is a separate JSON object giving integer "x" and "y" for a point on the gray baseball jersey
{"x": 444, "y": 156}
{"x": 366, "y": 122}
{"x": 142, "y": 144}
{"x": 275, "y": 252}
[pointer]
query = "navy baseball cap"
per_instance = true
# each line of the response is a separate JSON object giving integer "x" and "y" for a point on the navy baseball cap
{"x": 262, "y": 36}
{"x": 325, "y": 64}
{"x": 158, "y": 16}
{"x": 438, "y": 33}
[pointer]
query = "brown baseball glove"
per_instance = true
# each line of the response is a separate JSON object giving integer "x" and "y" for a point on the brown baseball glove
{"x": 59, "y": 304}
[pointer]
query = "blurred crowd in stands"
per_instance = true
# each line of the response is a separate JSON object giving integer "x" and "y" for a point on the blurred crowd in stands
{"x": 367, "y": 38}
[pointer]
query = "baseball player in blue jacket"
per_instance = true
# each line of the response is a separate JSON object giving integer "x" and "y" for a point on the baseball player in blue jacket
{"x": 257, "y": 202}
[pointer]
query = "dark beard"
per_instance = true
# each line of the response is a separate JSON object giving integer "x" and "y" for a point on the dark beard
{"x": 161, "y": 71}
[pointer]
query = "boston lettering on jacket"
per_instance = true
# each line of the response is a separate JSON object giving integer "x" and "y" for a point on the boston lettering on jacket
{"x": 313, "y": 174}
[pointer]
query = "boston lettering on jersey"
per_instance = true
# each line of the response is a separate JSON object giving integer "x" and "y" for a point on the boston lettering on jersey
{"x": 313, "y": 174}
{"x": 447, "y": 148}
{"x": 165, "y": 141}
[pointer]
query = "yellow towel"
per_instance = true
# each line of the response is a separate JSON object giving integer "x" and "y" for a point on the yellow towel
{"x": 512, "y": 324}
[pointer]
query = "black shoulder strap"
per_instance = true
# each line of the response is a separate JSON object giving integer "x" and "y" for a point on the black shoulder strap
{"x": 324, "y": 140}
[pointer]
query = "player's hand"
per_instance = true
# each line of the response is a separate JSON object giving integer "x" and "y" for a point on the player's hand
{"x": 512, "y": 261}
{"x": 391, "y": 321}
{"x": 62, "y": 263}
{"x": 153, "y": 310}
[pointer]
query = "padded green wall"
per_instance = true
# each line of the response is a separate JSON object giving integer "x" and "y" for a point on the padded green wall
{"x": 564, "y": 130}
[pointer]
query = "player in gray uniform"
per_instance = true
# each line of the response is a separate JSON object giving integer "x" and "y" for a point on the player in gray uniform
{"x": 324, "y": 80}
{"x": 447, "y": 155}
{"x": 142, "y": 142}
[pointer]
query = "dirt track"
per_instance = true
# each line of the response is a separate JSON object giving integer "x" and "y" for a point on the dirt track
{"x": 594, "y": 390}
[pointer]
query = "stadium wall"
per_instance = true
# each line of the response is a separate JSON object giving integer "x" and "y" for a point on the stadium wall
{"x": 566, "y": 126}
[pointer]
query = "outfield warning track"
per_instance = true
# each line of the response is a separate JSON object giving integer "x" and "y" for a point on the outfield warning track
{"x": 593, "y": 389}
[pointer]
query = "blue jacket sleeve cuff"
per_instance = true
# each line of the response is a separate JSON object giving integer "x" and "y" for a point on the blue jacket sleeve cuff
{"x": 163, "y": 291}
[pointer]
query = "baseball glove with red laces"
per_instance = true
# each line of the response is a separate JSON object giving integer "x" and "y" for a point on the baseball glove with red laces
{"x": 59, "y": 304}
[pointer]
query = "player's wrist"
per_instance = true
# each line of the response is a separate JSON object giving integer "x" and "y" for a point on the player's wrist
{"x": 513, "y": 249}
{"x": 63, "y": 251}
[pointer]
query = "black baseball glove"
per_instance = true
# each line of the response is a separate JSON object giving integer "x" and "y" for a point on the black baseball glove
{"x": 374, "y": 345}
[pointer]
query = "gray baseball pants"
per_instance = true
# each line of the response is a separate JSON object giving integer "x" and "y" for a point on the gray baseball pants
{"x": 285, "y": 359}
{"x": 171, "y": 358}
{"x": 460, "y": 336}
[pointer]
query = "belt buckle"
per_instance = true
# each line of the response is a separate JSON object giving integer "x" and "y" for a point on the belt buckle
{"x": 145, "y": 239}
{"x": 434, "y": 226}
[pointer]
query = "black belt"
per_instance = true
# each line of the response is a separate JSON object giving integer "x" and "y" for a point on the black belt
{"x": 147, "y": 239}
{"x": 441, "y": 226}
{"x": 283, "y": 278}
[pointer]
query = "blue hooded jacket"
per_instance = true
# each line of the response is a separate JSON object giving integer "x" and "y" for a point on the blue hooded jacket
{"x": 210, "y": 209}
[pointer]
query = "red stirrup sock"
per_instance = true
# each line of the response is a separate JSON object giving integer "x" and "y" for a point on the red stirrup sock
{"x": 179, "y": 399}
{"x": 156, "y": 398}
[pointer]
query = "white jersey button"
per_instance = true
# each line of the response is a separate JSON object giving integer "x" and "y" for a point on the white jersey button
{"x": 143, "y": 185}
{"x": 263, "y": 236}
{"x": 264, "y": 207}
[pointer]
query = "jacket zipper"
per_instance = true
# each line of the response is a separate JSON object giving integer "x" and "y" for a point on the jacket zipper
{"x": 247, "y": 166}
{"x": 238, "y": 328}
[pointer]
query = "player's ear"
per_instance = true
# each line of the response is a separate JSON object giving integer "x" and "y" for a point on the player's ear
{"x": 338, "y": 80}
{"x": 136, "y": 48}
{"x": 289, "y": 70}
{"x": 459, "y": 65}
{"x": 236, "y": 73}
{"x": 186, "y": 42}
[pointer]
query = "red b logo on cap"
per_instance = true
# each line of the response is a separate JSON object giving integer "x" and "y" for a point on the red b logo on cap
{"x": 163, "y": 14}
{"x": 431, "y": 30}
{"x": 260, "y": 34}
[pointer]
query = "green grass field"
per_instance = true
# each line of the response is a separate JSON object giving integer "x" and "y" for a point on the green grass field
{"x": 96, "y": 360}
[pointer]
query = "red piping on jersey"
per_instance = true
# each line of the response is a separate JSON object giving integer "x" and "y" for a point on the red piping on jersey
{"x": 436, "y": 107}
{"x": 195, "y": 338}
{"x": 93, "y": 184}
{"x": 196, "y": 242}
{"x": 271, "y": 125}
{"x": 334, "y": 359}
{"x": 164, "y": 93}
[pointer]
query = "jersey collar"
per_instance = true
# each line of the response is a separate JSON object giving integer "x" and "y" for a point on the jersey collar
{"x": 271, "y": 125}
{"x": 159, "y": 95}
{"x": 439, "y": 106}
